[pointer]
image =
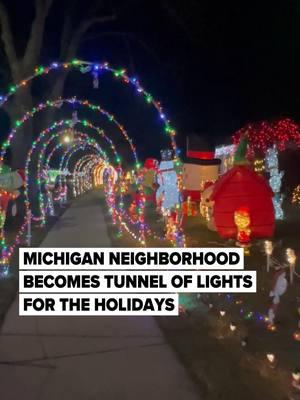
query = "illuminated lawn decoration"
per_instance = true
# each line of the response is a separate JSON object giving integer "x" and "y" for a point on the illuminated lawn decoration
{"x": 93, "y": 68}
{"x": 267, "y": 139}
{"x": 242, "y": 202}
{"x": 226, "y": 154}
{"x": 242, "y": 221}
{"x": 279, "y": 288}
{"x": 168, "y": 198}
{"x": 291, "y": 259}
{"x": 275, "y": 180}
{"x": 167, "y": 194}
{"x": 259, "y": 166}
{"x": 263, "y": 135}
{"x": 296, "y": 195}
{"x": 268, "y": 246}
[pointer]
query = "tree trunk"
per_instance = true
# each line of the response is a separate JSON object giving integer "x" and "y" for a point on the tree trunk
{"x": 22, "y": 140}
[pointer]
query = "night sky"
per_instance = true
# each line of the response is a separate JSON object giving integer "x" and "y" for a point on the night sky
{"x": 215, "y": 65}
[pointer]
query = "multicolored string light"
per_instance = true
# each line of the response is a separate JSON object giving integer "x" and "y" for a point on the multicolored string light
{"x": 82, "y": 141}
{"x": 86, "y": 123}
{"x": 41, "y": 162}
{"x": 56, "y": 124}
{"x": 34, "y": 147}
{"x": 94, "y": 68}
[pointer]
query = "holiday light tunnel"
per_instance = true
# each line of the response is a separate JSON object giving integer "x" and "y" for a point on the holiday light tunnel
{"x": 100, "y": 162}
{"x": 87, "y": 155}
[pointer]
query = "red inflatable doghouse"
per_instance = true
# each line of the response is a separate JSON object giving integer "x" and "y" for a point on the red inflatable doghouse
{"x": 238, "y": 188}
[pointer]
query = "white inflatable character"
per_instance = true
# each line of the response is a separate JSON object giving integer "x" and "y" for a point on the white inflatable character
{"x": 167, "y": 195}
{"x": 279, "y": 288}
{"x": 276, "y": 176}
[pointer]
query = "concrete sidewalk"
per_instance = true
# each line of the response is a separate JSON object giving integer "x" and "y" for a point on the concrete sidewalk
{"x": 87, "y": 358}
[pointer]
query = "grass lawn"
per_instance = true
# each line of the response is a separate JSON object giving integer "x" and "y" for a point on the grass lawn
{"x": 216, "y": 357}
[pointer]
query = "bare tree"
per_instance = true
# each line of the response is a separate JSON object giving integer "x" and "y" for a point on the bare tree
{"x": 22, "y": 66}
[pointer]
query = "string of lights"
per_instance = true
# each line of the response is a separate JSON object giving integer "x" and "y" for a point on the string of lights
{"x": 94, "y": 68}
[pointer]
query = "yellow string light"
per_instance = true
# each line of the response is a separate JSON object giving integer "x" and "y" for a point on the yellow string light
{"x": 296, "y": 195}
{"x": 259, "y": 166}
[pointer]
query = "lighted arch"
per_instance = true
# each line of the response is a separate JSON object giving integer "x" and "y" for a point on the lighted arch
{"x": 77, "y": 179}
{"x": 60, "y": 145}
{"x": 84, "y": 141}
{"x": 55, "y": 104}
{"x": 85, "y": 66}
{"x": 41, "y": 136}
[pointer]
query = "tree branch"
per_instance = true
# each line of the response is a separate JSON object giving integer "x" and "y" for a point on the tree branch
{"x": 126, "y": 35}
{"x": 178, "y": 19}
{"x": 35, "y": 40}
{"x": 83, "y": 27}
{"x": 8, "y": 42}
{"x": 65, "y": 36}
{"x": 69, "y": 45}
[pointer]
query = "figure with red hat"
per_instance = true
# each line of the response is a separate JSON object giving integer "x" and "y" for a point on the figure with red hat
{"x": 200, "y": 168}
